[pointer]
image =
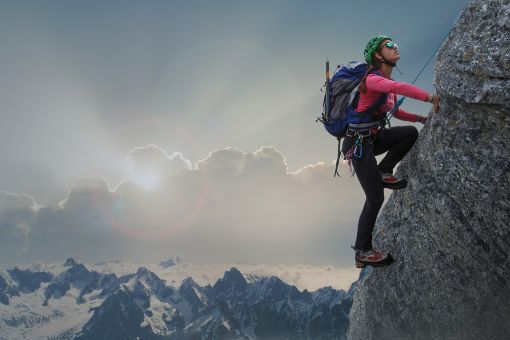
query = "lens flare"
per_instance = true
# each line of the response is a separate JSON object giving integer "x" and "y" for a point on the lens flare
{"x": 143, "y": 206}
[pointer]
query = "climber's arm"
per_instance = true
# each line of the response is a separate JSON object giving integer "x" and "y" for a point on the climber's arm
{"x": 407, "y": 116}
{"x": 377, "y": 83}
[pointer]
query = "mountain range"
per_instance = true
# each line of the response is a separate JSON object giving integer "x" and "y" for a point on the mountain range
{"x": 72, "y": 300}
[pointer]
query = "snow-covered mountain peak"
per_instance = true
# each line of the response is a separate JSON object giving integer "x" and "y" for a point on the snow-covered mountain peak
{"x": 233, "y": 280}
{"x": 76, "y": 272}
{"x": 234, "y": 275}
{"x": 70, "y": 262}
{"x": 274, "y": 288}
{"x": 73, "y": 301}
{"x": 27, "y": 280}
{"x": 270, "y": 283}
{"x": 144, "y": 273}
{"x": 145, "y": 283}
{"x": 150, "y": 279}
{"x": 189, "y": 282}
{"x": 328, "y": 295}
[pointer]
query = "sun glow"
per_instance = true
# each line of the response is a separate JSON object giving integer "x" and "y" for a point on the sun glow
{"x": 148, "y": 179}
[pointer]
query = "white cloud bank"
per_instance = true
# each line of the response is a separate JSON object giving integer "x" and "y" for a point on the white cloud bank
{"x": 231, "y": 206}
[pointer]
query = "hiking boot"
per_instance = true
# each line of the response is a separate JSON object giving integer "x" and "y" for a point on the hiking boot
{"x": 373, "y": 257}
{"x": 391, "y": 182}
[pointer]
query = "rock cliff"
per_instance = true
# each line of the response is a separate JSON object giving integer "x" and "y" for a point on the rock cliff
{"x": 449, "y": 230}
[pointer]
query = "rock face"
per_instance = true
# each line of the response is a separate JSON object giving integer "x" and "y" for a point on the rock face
{"x": 449, "y": 230}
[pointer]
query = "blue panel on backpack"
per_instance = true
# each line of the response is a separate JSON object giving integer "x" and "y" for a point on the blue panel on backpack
{"x": 341, "y": 89}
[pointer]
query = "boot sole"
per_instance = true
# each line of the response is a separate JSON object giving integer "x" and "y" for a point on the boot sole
{"x": 394, "y": 187}
{"x": 386, "y": 262}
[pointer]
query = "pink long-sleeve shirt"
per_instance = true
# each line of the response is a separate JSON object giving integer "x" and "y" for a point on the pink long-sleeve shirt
{"x": 376, "y": 85}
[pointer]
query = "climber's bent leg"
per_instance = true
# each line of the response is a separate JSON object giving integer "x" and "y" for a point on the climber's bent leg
{"x": 397, "y": 141}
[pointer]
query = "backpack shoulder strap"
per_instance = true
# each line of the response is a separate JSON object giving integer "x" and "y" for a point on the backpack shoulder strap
{"x": 382, "y": 99}
{"x": 379, "y": 73}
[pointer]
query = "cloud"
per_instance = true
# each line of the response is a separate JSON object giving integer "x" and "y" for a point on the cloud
{"x": 266, "y": 161}
{"x": 81, "y": 225}
{"x": 150, "y": 164}
{"x": 154, "y": 156}
{"x": 313, "y": 172}
{"x": 10, "y": 202}
{"x": 17, "y": 214}
{"x": 86, "y": 193}
{"x": 231, "y": 162}
{"x": 224, "y": 162}
{"x": 232, "y": 206}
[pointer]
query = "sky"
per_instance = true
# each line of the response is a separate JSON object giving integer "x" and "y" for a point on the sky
{"x": 139, "y": 130}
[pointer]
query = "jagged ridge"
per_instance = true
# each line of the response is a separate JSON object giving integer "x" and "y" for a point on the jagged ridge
{"x": 142, "y": 305}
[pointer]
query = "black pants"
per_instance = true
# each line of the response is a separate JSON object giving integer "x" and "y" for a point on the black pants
{"x": 397, "y": 141}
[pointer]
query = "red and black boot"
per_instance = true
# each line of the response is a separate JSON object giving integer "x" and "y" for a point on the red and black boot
{"x": 372, "y": 257}
{"x": 391, "y": 182}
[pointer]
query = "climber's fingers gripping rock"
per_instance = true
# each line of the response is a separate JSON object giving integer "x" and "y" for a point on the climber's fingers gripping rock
{"x": 434, "y": 99}
{"x": 422, "y": 119}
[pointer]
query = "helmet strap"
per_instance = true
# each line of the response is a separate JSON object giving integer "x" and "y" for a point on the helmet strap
{"x": 385, "y": 61}
{"x": 388, "y": 62}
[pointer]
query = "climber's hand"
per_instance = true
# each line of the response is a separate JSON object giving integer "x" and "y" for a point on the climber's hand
{"x": 434, "y": 99}
{"x": 422, "y": 119}
{"x": 435, "y": 102}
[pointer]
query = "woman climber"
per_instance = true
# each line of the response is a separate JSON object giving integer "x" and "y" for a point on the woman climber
{"x": 382, "y": 54}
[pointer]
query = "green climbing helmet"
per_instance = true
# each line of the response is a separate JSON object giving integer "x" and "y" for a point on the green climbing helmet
{"x": 372, "y": 46}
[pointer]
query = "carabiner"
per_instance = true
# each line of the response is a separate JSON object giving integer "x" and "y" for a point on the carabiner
{"x": 358, "y": 151}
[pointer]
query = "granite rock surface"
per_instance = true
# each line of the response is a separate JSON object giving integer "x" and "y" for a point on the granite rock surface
{"x": 449, "y": 230}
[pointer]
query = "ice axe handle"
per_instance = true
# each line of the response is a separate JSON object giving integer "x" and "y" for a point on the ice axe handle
{"x": 327, "y": 70}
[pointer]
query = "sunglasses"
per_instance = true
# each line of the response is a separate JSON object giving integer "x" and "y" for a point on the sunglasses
{"x": 390, "y": 44}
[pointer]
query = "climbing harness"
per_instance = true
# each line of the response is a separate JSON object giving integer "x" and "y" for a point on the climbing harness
{"x": 362, "y": 132}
